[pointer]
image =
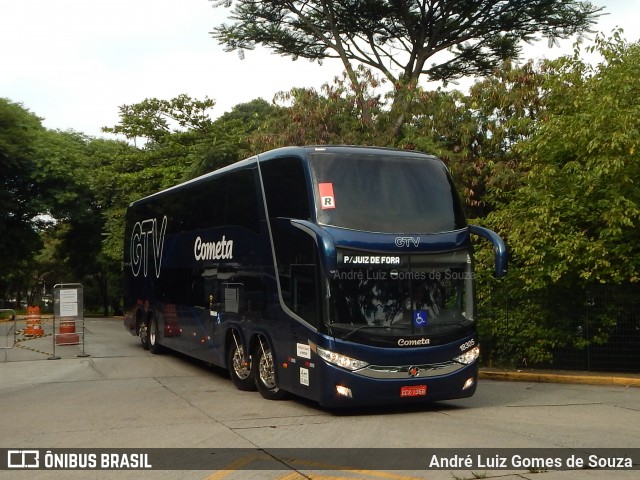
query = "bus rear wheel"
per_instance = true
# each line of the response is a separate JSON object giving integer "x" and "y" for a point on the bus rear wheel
{"x": 265, "y": 373}
{"x": 240, "y": 369}
{"x": 143, "y": 332}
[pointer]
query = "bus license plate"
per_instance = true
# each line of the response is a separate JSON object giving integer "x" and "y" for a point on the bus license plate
{"x": 413, "y": 391}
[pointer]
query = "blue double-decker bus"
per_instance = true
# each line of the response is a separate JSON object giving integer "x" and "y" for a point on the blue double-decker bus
{"x": 340, "y": 274}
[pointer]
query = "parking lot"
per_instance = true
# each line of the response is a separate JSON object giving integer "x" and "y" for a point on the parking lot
{"x": 122, "y": 397}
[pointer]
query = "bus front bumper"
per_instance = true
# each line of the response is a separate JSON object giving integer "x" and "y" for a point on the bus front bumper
{"x": 344, "y": 388}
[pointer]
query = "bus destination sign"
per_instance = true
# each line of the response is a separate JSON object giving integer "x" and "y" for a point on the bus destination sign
{"x": 370, "y": 260}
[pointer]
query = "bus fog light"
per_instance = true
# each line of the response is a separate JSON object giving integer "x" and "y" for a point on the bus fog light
{"x": 468, "y": 357}
{"x": 469, "y": 383}
{"x": 344, "y": 391}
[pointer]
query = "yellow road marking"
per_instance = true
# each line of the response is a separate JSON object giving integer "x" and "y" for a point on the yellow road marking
{"x": 248, "y": 459}
{"x": 238, "y": 464}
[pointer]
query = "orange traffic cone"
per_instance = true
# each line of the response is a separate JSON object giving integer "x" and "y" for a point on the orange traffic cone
{"x": 67, "y": 335}
{"x": 34, "y": 322}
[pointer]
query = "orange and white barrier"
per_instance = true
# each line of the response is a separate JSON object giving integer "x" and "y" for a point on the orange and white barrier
{"x": 67, "y": 332}
{"x": 34, "y": 322}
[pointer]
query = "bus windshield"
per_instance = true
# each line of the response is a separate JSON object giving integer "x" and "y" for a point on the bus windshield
{"x": 429, "y": 294}
{"x": 385, "y": 193}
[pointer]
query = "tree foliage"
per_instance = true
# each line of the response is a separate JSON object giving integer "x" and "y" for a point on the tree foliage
{"x": 154, "y": 119}
{"x": 404, "y": 40}
{"x": 577, "y": 212}
{"x": 475, "y": 133}
{"x": 545, "y": 153}
{"x": 20, "y": 204}
{"x": 403, "y": 34}
{"x": 329, "y": 116}
{"x": 572, "y": 223}
{"x": 230, "y": 137}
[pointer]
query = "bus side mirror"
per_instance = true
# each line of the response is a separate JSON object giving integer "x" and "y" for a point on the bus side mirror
{"x": 499, "y": 248}
{"x": 326, "y": 247}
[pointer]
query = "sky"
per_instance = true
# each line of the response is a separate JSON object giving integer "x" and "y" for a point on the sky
{"x": 74, "y": 62}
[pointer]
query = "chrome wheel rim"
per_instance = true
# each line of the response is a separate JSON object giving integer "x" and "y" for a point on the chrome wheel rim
{"x": 267, "y": 373}
{"x": 241, "y": 369}
{"x": 144, "y": 333}
{"x": 152, "y": 333}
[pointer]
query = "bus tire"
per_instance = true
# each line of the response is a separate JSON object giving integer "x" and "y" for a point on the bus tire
{"x": 153, "y": 337}
{"x": 240, "y": 371}
{"x": 265, "y": 373}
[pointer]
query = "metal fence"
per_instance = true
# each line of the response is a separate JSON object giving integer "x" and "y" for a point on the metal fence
{"x": 8, "y": 330}
{"x": 590, "y": 329}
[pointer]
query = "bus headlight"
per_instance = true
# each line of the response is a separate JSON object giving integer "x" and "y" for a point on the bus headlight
{"x": 468, "y": 357}
{"x": 340, "y": 360}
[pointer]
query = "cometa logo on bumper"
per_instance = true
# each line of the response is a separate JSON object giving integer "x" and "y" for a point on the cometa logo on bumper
{"x": 222, "y": 250}
{"x": 413, "y": 342}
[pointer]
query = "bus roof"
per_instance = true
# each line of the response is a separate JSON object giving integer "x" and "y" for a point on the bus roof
{"x": 301, "y": 151}
{"x": 305, "y": 150}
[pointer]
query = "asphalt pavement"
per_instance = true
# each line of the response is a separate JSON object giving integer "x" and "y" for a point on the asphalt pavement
{"x": 15, "y": 346}
{"x": 108, "y": 392}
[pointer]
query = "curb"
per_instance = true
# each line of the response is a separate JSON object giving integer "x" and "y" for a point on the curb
{"x": 582, "y": 378}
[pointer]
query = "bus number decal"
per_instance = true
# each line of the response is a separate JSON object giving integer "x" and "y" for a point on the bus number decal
{"x": 304, "y": 376}
{"x": 303, "y": 350}
{"x": 141, "y": 244}
{"x": 327, "y": 199}
{"x": 467, "y": 345}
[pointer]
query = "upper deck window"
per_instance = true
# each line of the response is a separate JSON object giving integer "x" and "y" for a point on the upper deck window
{"x": 385, "y": 192}
{"x": 230, "y": 199}
{"x": 285, "y": 188}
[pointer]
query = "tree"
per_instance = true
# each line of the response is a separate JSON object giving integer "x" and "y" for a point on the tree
{"x": 228, "y": 140}
{"x": 476, "y": 133}
{"x": 19, "y": 202}
{"x": 400, "y": 38}
{"x": 175, "y": 133}
{"x": 572, "y": 224}
{"x": 153, "y": 119}
{"x": 50, "y": 221}
{"x": 327, "y": 116}
{"x": 579, "y": 208}
{"x": 20, "y": 194}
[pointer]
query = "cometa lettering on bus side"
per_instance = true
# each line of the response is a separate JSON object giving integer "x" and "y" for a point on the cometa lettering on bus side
{"x": 221, "y": 250}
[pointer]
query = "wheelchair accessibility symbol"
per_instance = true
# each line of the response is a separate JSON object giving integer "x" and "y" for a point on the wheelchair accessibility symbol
{"x": 420, "y": 318}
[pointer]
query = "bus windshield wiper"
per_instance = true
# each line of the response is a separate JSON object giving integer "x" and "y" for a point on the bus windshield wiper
{"x": 362, "y": 327}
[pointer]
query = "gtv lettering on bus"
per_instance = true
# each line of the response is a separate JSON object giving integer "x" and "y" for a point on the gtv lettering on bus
{"x": 222, "y": 250}
{"x": 145, "y": 236}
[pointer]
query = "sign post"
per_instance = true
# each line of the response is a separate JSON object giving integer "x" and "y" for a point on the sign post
{"x": 68, "y": 312}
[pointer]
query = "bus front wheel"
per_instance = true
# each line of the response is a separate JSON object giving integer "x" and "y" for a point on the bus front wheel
{"x": 265, "y": 373}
